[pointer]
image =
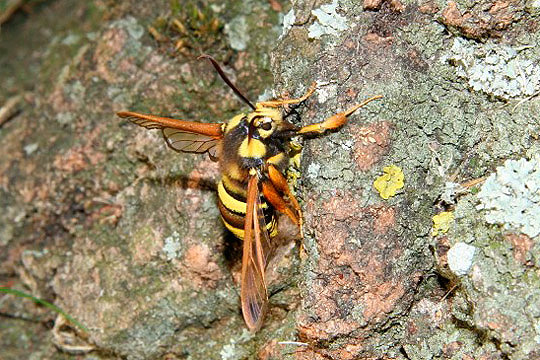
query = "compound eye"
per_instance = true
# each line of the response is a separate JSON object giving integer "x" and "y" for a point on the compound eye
{"x": 266, "y": 126}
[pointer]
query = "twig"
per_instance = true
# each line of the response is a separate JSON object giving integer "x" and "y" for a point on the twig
{"x": 9, "y": 109}
{"x": 297, "y": 343}
{"x": 10, "y": 10}
{"x": 525, "y": 100}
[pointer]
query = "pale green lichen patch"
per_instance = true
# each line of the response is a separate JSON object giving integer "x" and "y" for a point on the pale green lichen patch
{"x": 288, "y": 22}
{"x": 451, "y": 190}
{"x": 511, "y": 196}
{"x": 234, "y": 350}
{"x": 329, "y": 22}
{"x": 499, "y": 293}
{"x": 135, "y": 31}
{"x": 238, "y": 33}
{"x": 494, "y": 69}
{"x": 173, "y": 246}
{"x": 313, "y": 170}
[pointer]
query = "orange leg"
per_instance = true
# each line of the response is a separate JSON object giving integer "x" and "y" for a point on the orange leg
{"x": 280, "y": 182}
{"x": 335, "y": 121}
{"x": 277, "y": 201}
{"x": 277, "y": 103}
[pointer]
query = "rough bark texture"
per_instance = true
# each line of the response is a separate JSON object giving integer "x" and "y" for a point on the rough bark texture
{"x": 101, "y": 219}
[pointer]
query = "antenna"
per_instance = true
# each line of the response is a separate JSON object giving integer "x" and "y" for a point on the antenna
{"x": 226, "y": 79}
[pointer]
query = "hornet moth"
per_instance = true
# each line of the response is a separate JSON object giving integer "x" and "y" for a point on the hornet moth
{"x": 253, "y": 153}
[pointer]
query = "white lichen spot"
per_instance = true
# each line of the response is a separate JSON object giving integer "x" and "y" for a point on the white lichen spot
{"x": 71, "y": 39}
{"x": 173, "y": 246}
{"x": 64, "y": 118}
{"x": 237, "y": 33}
{"x": 228, "y": 352}
{"x": 347, "y": 144}
{"x": 325, "y": 91}
{"x": 511, "y": 196}
{"x": 218, "y": 8}
{"x": 267, "y": 94}
{"x": 313, "y": 170}
{"x": 460, "y": 258}
{"x": 451, "y": 190}
{"x": 494, "y": 69}
{"x": 245, "y": 336}
{"x": 288, "y": 22}
{"x": 30, "y": 149}
{"x": 231, "y": 351}
{"x": 537, "y": 330}
{"x": 328, "y": 21}
{"x": 131, "y": 25}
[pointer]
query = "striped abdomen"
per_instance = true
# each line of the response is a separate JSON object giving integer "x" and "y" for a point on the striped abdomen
{"x": 232, "y": 205}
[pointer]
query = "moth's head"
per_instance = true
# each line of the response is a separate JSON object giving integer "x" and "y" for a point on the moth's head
{"x": 267, "y": 121}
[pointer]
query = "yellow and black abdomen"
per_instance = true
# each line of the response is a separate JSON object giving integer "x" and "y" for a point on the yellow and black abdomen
{"x": 233, "y": 207}
{"x": 241, "y": 150}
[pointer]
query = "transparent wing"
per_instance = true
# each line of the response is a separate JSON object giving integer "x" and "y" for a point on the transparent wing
{"x": 182, "y": 135}
{"x": 185, "y": 141}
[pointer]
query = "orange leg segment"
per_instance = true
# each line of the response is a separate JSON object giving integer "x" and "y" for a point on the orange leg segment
{"x": 277, "y": 201}
{"x": 280, "y": 182}
{"x": 277, "y": 103}
{"x": 335, "y": 121}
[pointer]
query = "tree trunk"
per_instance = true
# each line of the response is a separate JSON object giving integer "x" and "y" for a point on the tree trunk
{"x": 103, "y": 220}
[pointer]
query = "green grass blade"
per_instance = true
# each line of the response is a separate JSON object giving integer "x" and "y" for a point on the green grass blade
{"x": 44, "y": 303}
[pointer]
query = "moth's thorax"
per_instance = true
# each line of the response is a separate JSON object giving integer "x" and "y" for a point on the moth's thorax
{"x": 250, "y": 140}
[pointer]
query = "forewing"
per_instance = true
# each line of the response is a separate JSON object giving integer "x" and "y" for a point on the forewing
{"x": 185, "y": 141}
{"x": 254, "y": 296}
{"x": 181, "y": 135}
{"x": 264, "y": 237}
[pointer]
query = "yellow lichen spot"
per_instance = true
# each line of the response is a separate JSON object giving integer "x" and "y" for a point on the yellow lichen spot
{"x": 441, "y": 222}
{"x": 390, "y": 182}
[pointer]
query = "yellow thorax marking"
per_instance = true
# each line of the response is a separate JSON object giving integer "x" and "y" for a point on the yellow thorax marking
{"x": 234, "y": 122}
{"x": 253, "y": 148}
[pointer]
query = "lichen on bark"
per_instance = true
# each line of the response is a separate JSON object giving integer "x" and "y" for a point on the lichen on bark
{"x": 369, "y": 292}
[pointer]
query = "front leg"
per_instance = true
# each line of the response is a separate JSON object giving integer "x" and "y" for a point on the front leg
{"x": 335, "y": 121}
{"x": 278, "y": 103}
